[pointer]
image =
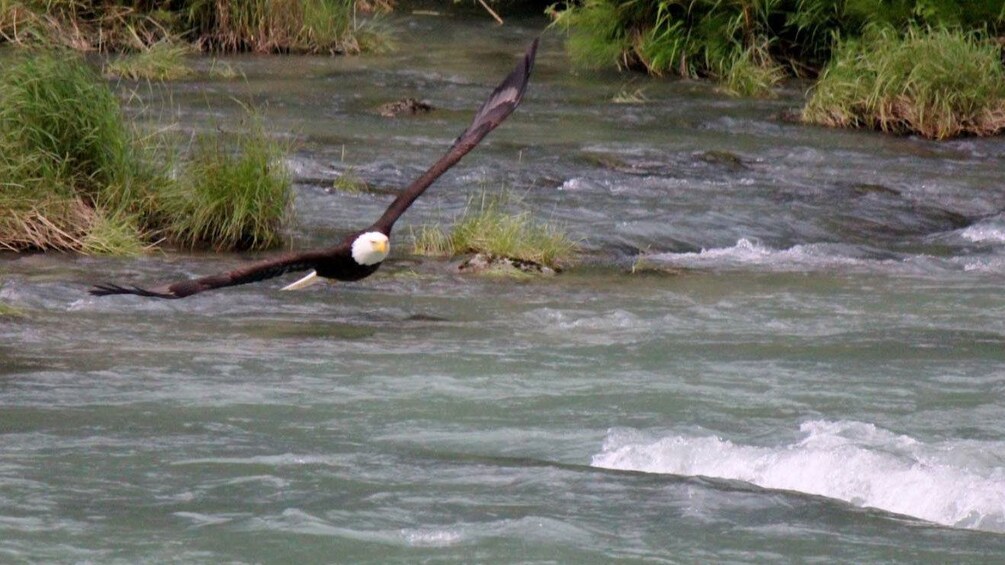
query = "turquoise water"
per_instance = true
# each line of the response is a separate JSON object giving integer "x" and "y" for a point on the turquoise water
{"x": 806, "y": 364}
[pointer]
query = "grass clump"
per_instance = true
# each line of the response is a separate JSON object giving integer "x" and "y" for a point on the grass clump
{"x": 230, "y": 195}
{"x": 271, "y": 26}
{"x": 8, "y": 311}
{"x": 700, "y": 38}
{"x": 85, "y": 26}
{"x": 350, "y": 182}
{"x": 263, "y": 26}
{"x": 748, "y": 44}
{"x": 161, "y": 61}
{"x": 489, "y": 229}
{"x": 67, "y": 160}
{"x": 752, "y": 74}
{"x": 74, "y": 176}
{"x": 935, "y": 83}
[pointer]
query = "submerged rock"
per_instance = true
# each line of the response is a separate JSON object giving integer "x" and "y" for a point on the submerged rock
{"x": 405, "y": 106}
{"x": 618, "y": 164}
{"x": 495, "y": 264}
{"x": 867, "y": 188}
{"x": 725, "y": 159}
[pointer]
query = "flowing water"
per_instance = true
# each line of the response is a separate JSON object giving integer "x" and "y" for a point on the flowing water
{"x": 807, "y": 363}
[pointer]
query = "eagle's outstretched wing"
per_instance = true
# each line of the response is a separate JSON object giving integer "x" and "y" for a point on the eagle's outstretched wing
{"x": 499, "y": 105}
{"x": 252, "y": 272}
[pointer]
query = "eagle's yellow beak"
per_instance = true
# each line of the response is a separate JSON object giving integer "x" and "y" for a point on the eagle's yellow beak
{"x": 384, "y": 246}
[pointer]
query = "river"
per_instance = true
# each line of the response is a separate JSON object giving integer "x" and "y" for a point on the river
{"x": 806, "y": 363}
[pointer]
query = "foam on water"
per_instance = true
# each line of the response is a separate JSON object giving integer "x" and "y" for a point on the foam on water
{"x": 990, "y": 231}
{"x": 825, "y": 256}
{"x": 752, "y": 252}
{"x": 959, "y": 483}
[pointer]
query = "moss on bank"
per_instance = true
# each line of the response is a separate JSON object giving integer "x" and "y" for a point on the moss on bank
{"x": 936, "y": 83}
{"x": 75, "y": 176}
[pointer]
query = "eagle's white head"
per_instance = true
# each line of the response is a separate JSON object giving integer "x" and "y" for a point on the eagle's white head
{"x": 370, "y": 248}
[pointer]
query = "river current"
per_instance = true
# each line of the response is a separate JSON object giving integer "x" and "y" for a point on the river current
{"x": 781, "y": 342}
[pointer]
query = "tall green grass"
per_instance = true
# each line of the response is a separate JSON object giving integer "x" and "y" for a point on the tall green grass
{"x": 75, "y": 176}
{"x": 486, "y": 227}
{"x": 748, "y": 44}
{"x": 936, "y": 83}
{"x": 271, "y": 26}
{"x": 265, "y": 26}
{"x": 233, "y": 193}
{"x": 753, "y": 73}
{"x": 67, "y": 161}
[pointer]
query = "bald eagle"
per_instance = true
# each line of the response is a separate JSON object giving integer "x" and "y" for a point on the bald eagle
{"x": 360, "y": 253}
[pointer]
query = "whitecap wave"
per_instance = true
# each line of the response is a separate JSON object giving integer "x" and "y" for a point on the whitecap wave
{"x": 985, "y": 233}
{"x": 432, "y": 537}
{"x": 750, "y": 251}
{"x": 956, "y": 483}
{"x": 826, "y": 256}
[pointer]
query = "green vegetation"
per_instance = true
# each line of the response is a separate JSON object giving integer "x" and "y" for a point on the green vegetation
{"x": 67, "y": 161}
{"x": 223, "y": 70}
{"x": 270, "y": 26}
{"x": 233, "y": 195}
{"x": 263, "y": 26}
{"x": 74, "y": 176}
{"x": 8, "y": 311}
{"x": 753, "y": 73}
{"x": 489, "y": 229}
{"x": 350, "y": 182}
{"x": 937, "y": 83}
{"x": 749, "y": 44}
{"x": 161, "y": 61}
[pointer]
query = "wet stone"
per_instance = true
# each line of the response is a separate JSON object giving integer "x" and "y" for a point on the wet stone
{"x": 404, "y": 107}
{"x": 494, "y": 264}
{"x": 725, "y": 159}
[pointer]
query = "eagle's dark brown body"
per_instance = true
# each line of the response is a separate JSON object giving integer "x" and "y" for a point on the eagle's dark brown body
{"x": 337, "y": 262}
